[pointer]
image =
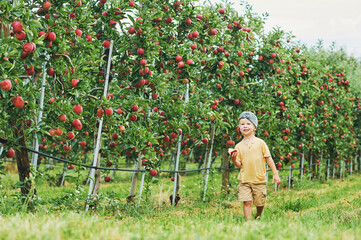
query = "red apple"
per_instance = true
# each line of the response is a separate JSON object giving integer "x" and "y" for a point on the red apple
{"x": 20, "y": 36}
{"x": 78, "y": 32}
{"x": 10, "y": 153}
{"x": 106, "y": 44}
{"x": 121, "y": 128}
{"x": 77, "y": 3}
{"x": 52, "y": 132}
{"x": 28, "y": 47}
{"x": 78, "y": 109}
{"x": 100, "y": 112}
{"x": 74, "y": 82}
{"x": 51, "y": 36}
{"x": 5, "y": 85}
{"x": 58, "y": 132}
{"x": 133, "y": 118}
{"x": 109, "y": 111}
{"x": 70, "y": 135}
{"x": 18, "y": 101}
{"x": 77, "y": 124}
{"x": 50, "y": 72}
{"x": 212, "y": 32}
{"x": 46, "y": 5}
{"x": 153, "y": 172}
{"x": 90, "y": 38}
{"x": 134, "y": 108}
{"x": 17, "y": 26}
{"x": 140, "y": 51}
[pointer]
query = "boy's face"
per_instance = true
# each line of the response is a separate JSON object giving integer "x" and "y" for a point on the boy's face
{"x": 246, "y": 127}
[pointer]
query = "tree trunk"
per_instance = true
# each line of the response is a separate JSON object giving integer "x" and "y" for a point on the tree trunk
{"x": 22, "y": 158}
{"x": 225, "y": 172}
{"x": 4, "y": 29}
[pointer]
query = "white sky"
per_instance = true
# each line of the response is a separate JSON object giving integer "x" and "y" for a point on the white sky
{"x": 336, "y": 21}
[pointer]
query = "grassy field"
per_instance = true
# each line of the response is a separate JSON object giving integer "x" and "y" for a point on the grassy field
{"x": 313, "y": 210}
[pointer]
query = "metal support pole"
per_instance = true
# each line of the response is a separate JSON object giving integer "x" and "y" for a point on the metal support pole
{"x": 141, "y": 186}
{"x": 34, "y": 160}
{"x": 64, "y": 173}
{"x": 97, "y": 146}
{"x": 209, "y": 161}
{"x": 186, "y": 100}
{"x": 302, "y": 162}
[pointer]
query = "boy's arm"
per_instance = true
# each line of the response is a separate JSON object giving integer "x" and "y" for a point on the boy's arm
{"x": 272, "y": 165}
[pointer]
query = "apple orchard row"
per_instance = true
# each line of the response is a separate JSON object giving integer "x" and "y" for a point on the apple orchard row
{"x": 162, "y": 50}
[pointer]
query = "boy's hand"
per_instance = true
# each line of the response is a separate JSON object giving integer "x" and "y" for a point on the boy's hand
{"x": 277, "y": 179}
{"x": 233, "y": 154}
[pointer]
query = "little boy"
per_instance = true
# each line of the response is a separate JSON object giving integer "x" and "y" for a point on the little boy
{"x": 250, "y": 155}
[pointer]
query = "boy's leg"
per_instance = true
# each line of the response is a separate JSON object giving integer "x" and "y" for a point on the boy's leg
{"x": 259, "y": 198}
{"x": 245, "y": 196}
{"x": 259, "y": 211}
{"x": 247, "y": 209}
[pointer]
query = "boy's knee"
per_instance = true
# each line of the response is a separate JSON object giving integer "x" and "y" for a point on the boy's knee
{"x": 247, "y": 203}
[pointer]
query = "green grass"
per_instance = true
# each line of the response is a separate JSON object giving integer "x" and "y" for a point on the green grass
{"x": 313, "y": 210}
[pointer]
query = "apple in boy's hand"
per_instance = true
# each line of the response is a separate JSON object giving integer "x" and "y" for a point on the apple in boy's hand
{"x": 231, "y": 151}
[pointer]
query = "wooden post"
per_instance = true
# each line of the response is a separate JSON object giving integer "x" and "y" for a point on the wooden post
{"x": 328, "y": 169}
{"x": 225, "y": 172}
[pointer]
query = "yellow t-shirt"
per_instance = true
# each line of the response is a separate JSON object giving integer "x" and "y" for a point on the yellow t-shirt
{"x": 252, "y": 156}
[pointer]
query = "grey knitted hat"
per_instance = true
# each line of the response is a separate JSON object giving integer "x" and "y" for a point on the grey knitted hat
{"x": 250, "y": 116}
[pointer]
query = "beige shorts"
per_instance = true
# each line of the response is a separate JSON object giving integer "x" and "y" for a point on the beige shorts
{"x": 252, "y": 192}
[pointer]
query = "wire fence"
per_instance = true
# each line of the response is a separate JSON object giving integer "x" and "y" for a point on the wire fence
{"x": 313, "y": 169}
